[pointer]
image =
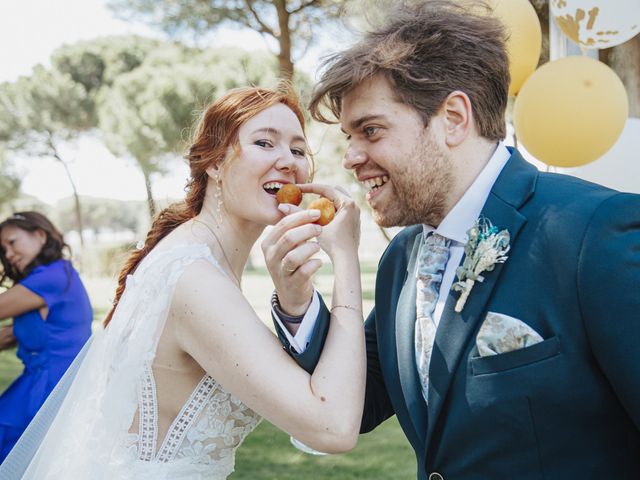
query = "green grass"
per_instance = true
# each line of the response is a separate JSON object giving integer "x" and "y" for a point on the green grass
{"x": 383, "y": 454}
{"x": 10, "y": 368}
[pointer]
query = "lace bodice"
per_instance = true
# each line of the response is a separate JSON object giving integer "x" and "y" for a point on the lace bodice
{"x": 210, "y": 426}
{"x": 201, "y": 441}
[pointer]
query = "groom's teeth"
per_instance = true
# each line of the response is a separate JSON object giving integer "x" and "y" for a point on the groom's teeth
{"x": 375, "y": 182}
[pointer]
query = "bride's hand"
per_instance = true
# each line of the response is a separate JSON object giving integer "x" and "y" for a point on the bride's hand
{"x": 289, "y": 250}
{"x": 342, "y": 235}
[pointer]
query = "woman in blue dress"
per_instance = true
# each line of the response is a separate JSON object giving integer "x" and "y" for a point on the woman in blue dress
{"x": 51, "y": 316}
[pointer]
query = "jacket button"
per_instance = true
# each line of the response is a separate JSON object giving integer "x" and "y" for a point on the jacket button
{"x": 435, "y": 476}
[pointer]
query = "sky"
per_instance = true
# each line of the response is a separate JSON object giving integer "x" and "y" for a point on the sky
{"x": 30, "y": 30}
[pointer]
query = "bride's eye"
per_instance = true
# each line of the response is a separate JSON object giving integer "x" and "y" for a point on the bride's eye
{"x": 263, "y": 143}
{"x": 298, "y": 152}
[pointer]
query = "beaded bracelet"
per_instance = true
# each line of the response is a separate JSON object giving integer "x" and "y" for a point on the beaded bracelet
{"x": 285, "y": 317}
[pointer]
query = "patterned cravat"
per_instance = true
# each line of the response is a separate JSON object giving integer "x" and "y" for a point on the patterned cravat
{"x": 432, "y": 261}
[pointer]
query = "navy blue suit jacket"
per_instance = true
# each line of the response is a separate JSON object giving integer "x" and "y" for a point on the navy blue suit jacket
{"x": 565, "y": 408}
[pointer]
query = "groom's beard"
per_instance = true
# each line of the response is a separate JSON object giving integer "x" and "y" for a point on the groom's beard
{"x": 420, "y": 188}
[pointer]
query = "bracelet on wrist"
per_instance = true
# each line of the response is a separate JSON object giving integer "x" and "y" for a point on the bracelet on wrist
{"x": 348, "y": 307}
{"x": 285, "y": 317}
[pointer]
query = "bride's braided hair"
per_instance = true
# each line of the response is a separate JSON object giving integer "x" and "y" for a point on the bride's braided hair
{"x": 216, "y": 131}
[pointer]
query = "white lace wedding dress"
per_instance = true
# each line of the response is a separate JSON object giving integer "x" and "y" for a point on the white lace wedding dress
{"x": 90, "y": 436}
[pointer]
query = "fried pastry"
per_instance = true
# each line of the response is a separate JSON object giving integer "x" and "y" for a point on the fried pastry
{"x": 327, "y": 210}
{"x": 289, "y": 193}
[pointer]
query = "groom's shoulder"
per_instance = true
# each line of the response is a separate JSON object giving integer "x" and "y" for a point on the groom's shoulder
{"x": 567, "y": 203}
{"x": 572, "y": 193}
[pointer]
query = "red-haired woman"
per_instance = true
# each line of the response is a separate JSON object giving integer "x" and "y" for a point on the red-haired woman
{"x": 51, "y": 316}
{"x": 185, "y": 369}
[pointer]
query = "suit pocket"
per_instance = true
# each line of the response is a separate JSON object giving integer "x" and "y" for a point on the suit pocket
{"x": 517, "y": 358}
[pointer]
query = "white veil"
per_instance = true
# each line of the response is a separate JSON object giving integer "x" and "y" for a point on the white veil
{"x": 82, "y": 430}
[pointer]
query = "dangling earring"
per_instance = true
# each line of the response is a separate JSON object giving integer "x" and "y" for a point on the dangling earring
{"x": 218, "y": 196}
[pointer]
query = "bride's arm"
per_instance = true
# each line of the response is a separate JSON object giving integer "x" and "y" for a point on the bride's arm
{"x": 220, "y": 330}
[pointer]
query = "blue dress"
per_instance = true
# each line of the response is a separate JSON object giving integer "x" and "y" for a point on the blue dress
{"x": 46, "y": 348}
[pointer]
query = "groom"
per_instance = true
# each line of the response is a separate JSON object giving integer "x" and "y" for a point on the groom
{"x": 525, "y": 361}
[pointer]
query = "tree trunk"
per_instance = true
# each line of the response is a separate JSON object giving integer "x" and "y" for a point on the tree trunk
{"x": 284, "y": 39}
{"x": 542, "y": 9}
{"x": 151, "y": 203}
{"x": 76, "y": 197}
{"x": 625, "y": 61}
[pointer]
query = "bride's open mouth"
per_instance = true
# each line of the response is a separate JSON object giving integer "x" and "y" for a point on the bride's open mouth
{"x": 272, "y": 187}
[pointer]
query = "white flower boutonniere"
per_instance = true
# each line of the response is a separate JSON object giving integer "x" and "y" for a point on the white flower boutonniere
{"x": 486, "y": 247}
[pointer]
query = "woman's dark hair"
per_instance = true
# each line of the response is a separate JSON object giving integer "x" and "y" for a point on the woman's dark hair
{"x": 52, "y": 250}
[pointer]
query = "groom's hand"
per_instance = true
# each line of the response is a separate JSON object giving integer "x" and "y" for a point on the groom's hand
{"x": 288, "y": 250}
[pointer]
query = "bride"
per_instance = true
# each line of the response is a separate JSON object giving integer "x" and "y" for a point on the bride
{"x": 184, "y": 369}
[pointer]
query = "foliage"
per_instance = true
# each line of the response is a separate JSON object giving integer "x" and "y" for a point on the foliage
{"x": 291, "y": 23}
{"x": 146, "y": 113}
{"x": 97, "y": 63}
{"x": 9, "y": 181}
{"x": 108, "y": 260}
{"x": 102, "y": 215}
{"x": 38, "y": 112}
{"x": 22, "y": 202}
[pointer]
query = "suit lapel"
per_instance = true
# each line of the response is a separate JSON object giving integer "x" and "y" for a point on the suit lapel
{"x": 513, "y": 187}
{"x": 405, "y": 321}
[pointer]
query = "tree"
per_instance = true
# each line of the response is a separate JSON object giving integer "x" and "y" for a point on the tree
{"x": 54, "y": 106}
{"x": 9, "y": 182}
{"x": 291, "y": 23}
{"x": 104, "y": 215}
{"x": 147, "y": 112}
{"x": 97, "y": 63}
{"x": 39, "y": 113}
{"x": 95, "y": 66}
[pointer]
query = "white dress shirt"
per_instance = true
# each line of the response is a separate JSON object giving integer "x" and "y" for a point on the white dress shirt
{"x": 462, "y": 217}
{"x": 301, "y": 339}
{"x": 454, "y": 227}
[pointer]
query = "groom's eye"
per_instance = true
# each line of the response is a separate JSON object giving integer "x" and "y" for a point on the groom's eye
{"x": 370, "y": 131}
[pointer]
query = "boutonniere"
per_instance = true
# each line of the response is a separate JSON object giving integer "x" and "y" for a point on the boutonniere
{"x": 486, "y": 247}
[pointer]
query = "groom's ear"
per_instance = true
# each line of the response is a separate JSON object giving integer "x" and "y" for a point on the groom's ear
{"x": 457, "y": 115}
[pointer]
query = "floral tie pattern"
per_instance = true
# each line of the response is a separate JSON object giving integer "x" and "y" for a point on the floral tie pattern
{"x": 432, "y": 261}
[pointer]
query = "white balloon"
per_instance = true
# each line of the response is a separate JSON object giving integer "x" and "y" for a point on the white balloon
{"x": 597, "y": 23}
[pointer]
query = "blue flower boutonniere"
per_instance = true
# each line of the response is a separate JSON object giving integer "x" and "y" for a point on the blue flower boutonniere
{"x": 486, "y": 247}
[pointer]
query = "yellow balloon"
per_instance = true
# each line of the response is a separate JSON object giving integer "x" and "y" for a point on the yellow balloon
{"x": 597, "y": 23}
{"x": 525, "y": 38}
{"x": 570, "y": 111}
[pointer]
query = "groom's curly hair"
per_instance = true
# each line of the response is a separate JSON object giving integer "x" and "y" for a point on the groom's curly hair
{"x": 215, "y": 133}
{"x": 426, "y": 50}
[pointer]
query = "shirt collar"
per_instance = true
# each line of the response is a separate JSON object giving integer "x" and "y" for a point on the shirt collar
{"x": 464, "y": 213}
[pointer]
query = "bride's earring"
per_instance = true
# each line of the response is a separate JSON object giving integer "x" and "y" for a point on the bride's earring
{"x": 218, "y": 197}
